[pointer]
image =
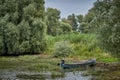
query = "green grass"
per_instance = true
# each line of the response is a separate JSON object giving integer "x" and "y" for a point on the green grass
{"x": 30, "y": 63}
{"x": 85, "y": 46}
{"x": 109, "y": 59}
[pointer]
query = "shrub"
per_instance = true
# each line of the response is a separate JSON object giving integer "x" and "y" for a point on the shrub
{"x": 62, "y": 49}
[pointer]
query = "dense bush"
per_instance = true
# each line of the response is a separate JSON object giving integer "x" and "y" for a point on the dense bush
{"x": 83, "y": 45}
{"x": 62, "y": 49}
{"x": 22, "y": 27}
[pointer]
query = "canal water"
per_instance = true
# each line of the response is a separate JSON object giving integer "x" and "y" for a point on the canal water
{"x": 17, "y": 75}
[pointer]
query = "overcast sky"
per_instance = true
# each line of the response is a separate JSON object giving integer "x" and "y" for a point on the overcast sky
{"x": 67, "y": 7}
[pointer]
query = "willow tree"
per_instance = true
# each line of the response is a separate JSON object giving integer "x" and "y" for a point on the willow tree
{"x": 107, "y": 21}
{"x": 53, "y": 16}
{"x": 22, "y": 26}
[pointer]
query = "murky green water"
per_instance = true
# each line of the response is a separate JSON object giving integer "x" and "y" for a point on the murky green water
{"x": 38, "y": 68}
{"x": 21, "y": 75}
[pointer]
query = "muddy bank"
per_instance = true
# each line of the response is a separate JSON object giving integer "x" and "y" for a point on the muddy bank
{"x": 106, "y": 71}
{"x": 110, "y": 66}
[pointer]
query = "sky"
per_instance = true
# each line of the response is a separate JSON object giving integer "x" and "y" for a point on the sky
{"x": 68, "y": 7}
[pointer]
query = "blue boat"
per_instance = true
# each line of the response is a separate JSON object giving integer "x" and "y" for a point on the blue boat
{"x": 76, "y": 65}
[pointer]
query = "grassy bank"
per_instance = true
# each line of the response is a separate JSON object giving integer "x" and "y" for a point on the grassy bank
{"x": 29, "y": 66}
{"x": 84, "y": 46}
{"x": 33, "y": 62}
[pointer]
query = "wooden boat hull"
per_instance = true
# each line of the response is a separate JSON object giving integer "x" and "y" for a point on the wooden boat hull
{"x": 76, "y": 65}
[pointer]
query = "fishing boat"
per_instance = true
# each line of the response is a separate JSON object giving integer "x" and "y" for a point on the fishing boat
{"x": 89, "y": 63}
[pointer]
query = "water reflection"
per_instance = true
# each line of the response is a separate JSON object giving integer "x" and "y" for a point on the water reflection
{"x": 77, "y": 75}
{"x": 14, "y": 75}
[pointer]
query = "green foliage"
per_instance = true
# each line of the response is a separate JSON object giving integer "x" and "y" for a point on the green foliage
{"x": 65, "y": 27}
{"x": 108, "y": 25}
{"x": 80, "y": 23}
{"x": 22, "y": 27}
{"x": 37, "y": 41}
{"x": 32, "y": 63}
{"x": 24, "y": 37}
{"x": 89, "y": 17}
{"x": 73, "y": 22}
{"x": 80, "y": 18}
{"x": 62, "y": 49}
{"x": 12, "y": 37}
{"x": 9, "y": 37}
{"x": 86, "y": 25}
{"x": 109, "y": 59}
{"x": 111, "y": 41}
{"x": 53, "y": 16}
{"x": 83, "y": 45}
{"x": 65, "y": 20}
{"x": 83, "y": 28}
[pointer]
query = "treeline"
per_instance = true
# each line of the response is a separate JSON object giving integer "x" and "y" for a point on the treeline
{"x": 25, "y": 23}
{"x": 103, "y": 19}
